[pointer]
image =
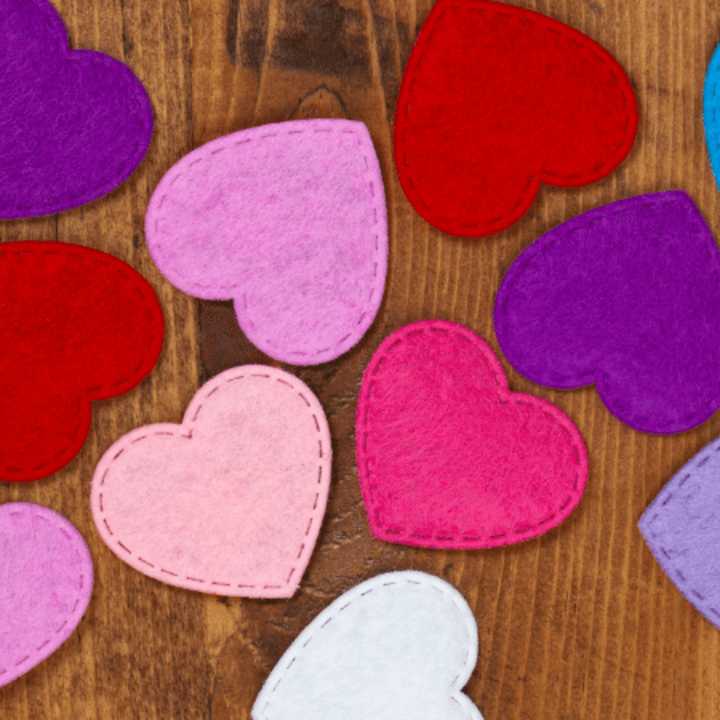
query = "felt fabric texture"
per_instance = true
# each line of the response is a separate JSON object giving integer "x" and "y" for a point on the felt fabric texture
{"x": 231, "y": 501}
{"x": 74, "y": 125}
{"x": 76, "y": 325}
{"x": 626, "y": 296}
{"x": 289, "y": 221}
{"x": 448, "y": 457}
{"x": 711, "y": 113}
{"x": 46, "y": 579}
{"x": 681, "y": 529}
{"x": 400, "y": 645}
{"x": 497, "y": 99}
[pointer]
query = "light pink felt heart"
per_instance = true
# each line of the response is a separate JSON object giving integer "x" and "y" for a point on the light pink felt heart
{"x": 448, "y": 457}
{"x": 288, "y": 221}
{"x": 46, "y": 579}
{"x": 231, "y": 501}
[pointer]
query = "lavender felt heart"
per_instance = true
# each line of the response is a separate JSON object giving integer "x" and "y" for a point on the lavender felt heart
{"x": 681, "y": 528}
{"x": 73, "y": 124}
{"x": 46, "y": 578}
{"x": 626, "y": 296}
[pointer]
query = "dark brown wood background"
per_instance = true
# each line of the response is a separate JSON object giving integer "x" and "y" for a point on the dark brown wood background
{"x": 578, "y": 624}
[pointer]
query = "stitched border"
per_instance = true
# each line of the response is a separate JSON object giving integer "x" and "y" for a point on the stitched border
{"x": 141, "y": 106}
{"x": 205, "y": 153}
{"x": 136, "y": 283}
{"x": 538, "y": 176}
{"x": 584, "y": 223}
{"x": 653, "y": 514}
{"x": 51, "y": 644}
{"x": 470, "y": 538}
{"x": 380, "y": 583}
{"x": 185, "y": 430}
{"x": 710, "y": 116}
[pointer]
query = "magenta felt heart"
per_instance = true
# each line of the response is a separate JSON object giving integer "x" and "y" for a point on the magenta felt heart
{"x": 448, "y": 456}
{"x": 46, "y": 578}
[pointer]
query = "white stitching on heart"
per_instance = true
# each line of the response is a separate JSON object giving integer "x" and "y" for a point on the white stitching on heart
{"x": 416, "y": 579}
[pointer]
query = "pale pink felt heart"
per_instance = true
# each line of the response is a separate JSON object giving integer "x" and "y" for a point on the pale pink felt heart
{"x": 46, "y": 579}
{"x": 448, "y": 457}
{"x": 231, "y": 501}
{"x": 288, "y": 221}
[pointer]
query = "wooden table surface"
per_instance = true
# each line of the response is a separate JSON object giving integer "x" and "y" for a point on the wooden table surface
{"x": 580, "y": 623}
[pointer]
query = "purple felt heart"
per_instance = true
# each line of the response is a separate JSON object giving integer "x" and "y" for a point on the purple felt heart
{"x": 626, "y": 296}
{"x": 681, "y": 528}
{"x": 73, "y": 124}
{"x": 46, "y": 578}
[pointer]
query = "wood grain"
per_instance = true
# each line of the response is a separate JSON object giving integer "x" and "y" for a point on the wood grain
{"x": 580, "y": 623}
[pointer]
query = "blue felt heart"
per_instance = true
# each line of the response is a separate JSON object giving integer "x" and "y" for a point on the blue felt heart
{"x": 711, "y": 112}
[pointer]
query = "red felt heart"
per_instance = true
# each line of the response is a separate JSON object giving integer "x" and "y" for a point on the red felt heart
{"x": 448, "y": 457}
{"x": 76, "y": 325}
{"x": 497, "y": 99}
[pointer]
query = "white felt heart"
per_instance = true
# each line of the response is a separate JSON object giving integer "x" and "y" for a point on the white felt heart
{"x": 398, "y": 647}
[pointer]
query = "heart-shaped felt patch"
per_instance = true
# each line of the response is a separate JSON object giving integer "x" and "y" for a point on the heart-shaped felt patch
{"x": 681, "y": 528}
{"x": 73, "y": 124}
{"x": 76, "y": 325}
{"x": 46, "y": 579}
{"x": 231, "y": 501}
{"x": 626, "y": 296}
{"x": 287, "y": 220}
{"x": 401, "y": 645}
{"x": 711, "y": 113}
{"x": 448, "y": 457}
{"x": 497, "y": 99}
